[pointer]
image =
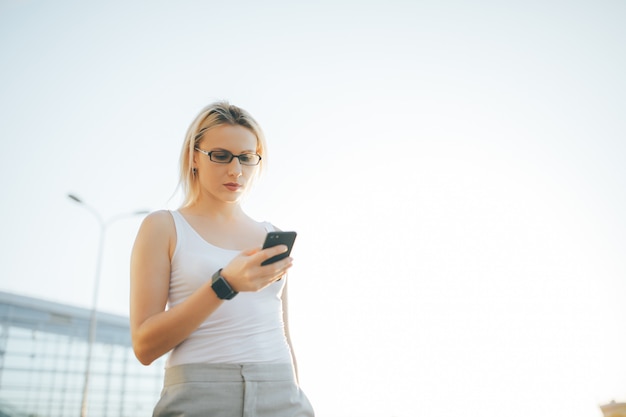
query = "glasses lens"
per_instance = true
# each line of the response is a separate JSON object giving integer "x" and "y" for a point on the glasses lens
{"x": 223, "y": 157}
{"x": 249, "y": 159}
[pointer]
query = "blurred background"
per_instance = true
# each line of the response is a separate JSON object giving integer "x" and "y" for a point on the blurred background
{"x": 455, "y": 171}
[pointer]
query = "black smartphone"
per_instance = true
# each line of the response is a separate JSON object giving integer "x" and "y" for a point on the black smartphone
{"x": 279, "y": 238}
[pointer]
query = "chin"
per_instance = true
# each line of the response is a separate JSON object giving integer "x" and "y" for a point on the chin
{"x": 233, "y": 199}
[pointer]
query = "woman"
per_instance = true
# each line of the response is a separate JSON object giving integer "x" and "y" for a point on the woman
{"x": 225, "y": 324}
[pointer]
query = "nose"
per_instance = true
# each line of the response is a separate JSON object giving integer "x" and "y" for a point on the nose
{"x": 234, "y": 168}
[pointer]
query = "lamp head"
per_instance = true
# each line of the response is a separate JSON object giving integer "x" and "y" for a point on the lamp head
{"x": 73, "y": 197}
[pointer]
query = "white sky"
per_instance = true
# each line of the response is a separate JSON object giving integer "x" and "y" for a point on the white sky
{"x": 455, "y": 171}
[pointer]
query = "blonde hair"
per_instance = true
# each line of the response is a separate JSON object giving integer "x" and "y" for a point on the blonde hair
{"x": 215, "y": 114}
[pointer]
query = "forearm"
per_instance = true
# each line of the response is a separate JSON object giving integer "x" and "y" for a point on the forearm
{"x": 293, "y": 356}
{"x": 165, "y": 330}
{"x": 285, "y": 301}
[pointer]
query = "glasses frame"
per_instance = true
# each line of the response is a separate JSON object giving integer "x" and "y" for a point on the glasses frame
{"x": 232, "y": 156}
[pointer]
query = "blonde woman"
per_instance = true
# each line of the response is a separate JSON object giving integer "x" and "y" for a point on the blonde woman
{"x": 199, "y": 291}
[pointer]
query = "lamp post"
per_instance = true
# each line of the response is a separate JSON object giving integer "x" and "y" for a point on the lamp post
{"x": 96, "y": 284}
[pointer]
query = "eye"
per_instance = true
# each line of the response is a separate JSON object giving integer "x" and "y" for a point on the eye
{"x": 247, "y": 158}
{"x": 221, "y": 156}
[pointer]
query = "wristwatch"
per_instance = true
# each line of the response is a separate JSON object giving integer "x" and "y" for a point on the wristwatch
{"x": 221, "y": 287}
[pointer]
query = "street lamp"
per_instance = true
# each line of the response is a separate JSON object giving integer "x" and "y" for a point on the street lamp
{"x": 96, "y": 284}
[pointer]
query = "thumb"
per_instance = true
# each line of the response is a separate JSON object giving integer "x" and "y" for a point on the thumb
{"x": 252, "y": 251}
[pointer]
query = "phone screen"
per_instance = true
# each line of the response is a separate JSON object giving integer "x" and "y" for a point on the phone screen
{"x": 279, "y": 238}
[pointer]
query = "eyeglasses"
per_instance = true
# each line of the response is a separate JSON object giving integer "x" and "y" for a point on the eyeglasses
{"x": 224, "y": 157}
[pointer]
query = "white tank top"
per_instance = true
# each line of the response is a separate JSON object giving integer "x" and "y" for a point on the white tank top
{"x": 247, "y": 329}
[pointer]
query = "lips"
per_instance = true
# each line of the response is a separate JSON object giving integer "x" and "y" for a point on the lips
{"x": 232, "y": 186}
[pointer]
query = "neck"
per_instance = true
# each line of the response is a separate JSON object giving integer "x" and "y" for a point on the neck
{"x": 217, "y": 211}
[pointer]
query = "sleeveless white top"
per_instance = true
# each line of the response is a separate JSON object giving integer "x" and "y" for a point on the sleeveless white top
{"x": 247, "y": 329}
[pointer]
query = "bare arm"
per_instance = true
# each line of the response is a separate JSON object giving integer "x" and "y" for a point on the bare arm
{"x": 155, "y": 330}
{"x": 285, "y": 300}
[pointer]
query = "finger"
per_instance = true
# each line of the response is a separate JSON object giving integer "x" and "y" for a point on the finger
{"x": 282, "y": 272}
{"x": 282, "y": 266}
{"x": 268, "y": 253}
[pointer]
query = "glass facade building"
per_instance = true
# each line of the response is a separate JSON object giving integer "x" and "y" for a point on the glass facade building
{"x": 43, "y": 357}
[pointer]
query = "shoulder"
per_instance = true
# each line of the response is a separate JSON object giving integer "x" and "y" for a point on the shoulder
{"x": 157, "y": 233}
{"x": 270, "y": 227}
{"x": 160, "y": 218}
{"x": 158, "y": 222}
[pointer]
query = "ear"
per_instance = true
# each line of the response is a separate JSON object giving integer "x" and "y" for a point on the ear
{"x": 194, "y": 158}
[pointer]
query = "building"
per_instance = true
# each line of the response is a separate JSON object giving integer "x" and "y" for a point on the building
{"x": 614, "y": 409}
{"x": 43, "y": 356}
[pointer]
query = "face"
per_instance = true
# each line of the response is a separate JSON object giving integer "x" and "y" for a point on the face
{"x": 225, "y": 182}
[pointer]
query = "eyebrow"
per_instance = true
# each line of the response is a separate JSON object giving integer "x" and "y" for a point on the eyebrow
{"x": 226, "y": 150}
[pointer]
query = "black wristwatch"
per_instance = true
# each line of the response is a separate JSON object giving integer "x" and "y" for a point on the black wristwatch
{"x": 221, "y": 287}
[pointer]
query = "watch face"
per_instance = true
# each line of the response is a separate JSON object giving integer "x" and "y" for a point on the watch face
{"x": 222, "y": 289}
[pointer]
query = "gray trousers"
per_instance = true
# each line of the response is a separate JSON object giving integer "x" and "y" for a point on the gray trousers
{"x": 228, "y": 390}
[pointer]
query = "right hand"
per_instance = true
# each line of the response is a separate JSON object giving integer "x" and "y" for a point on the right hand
{"x": 245, "y": 273}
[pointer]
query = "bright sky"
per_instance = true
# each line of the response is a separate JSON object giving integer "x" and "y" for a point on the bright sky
{"x": 455, "y": 171}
